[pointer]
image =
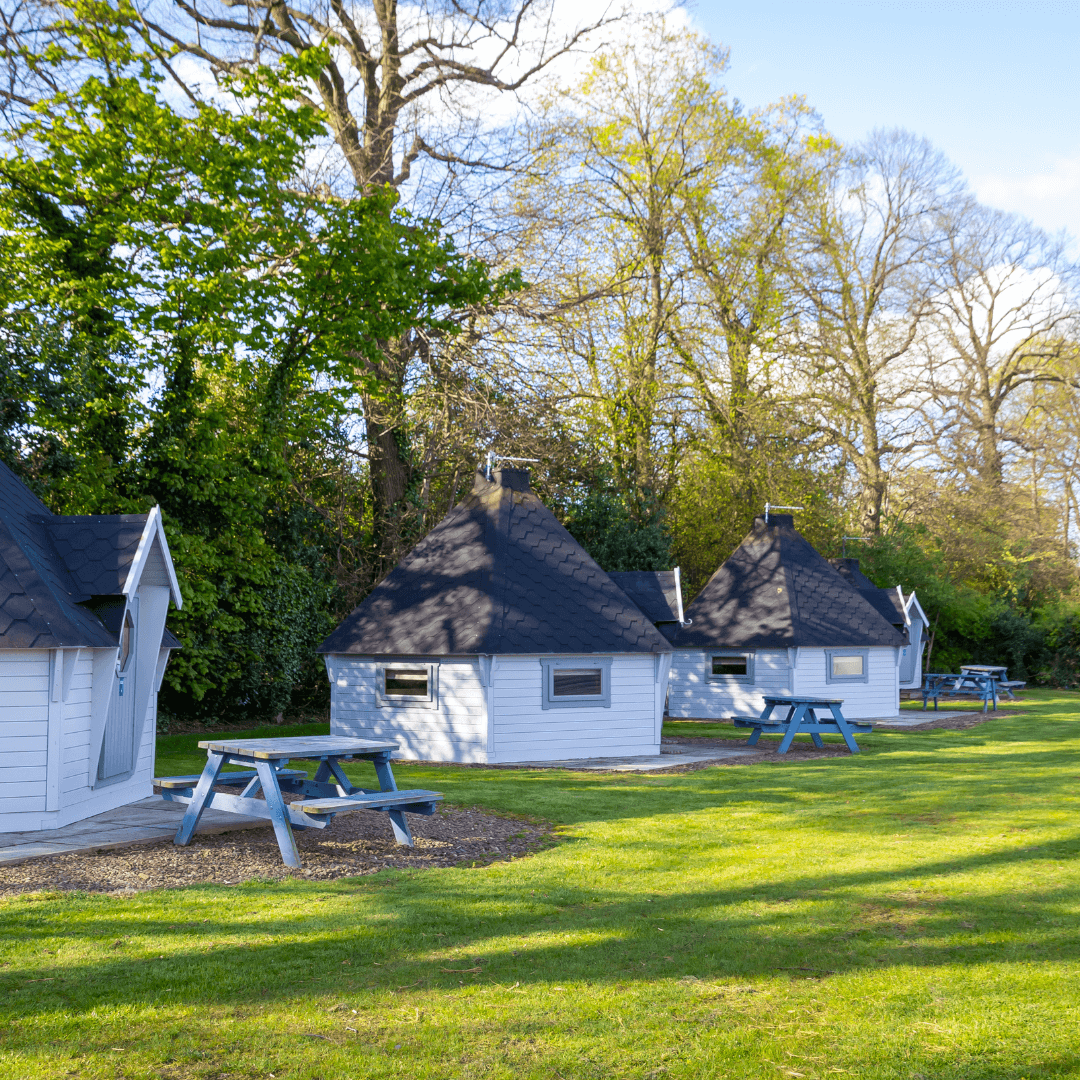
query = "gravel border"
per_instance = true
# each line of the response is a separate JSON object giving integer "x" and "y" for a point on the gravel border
{"x": 352, "y": 845}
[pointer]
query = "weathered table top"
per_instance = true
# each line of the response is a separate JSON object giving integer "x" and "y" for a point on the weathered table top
{"x": 996, "y": 670}
{"x": 787, "y": 700}
{"x": 313, "y": 746}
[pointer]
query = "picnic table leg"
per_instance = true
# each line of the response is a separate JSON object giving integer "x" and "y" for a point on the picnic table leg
{"x": 795, "y": 719}
{"x": 401, "y": 827}
{"x": 214, "y": 761}
{"x": 845, "y": 729}
{"x": 278, "y": 815}
{"x": 387, "y": 783}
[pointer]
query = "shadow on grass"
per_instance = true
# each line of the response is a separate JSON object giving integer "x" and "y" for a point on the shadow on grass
{"x": 403, "y": 933}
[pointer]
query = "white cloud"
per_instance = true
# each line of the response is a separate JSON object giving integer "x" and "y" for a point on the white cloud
{"x": 1050, "y": 196}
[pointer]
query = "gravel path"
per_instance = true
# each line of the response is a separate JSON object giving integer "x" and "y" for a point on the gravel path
{"x": 352, "y": 845}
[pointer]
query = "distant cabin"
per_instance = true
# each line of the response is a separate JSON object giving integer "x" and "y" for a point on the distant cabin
{"x": 777, "y": 618}
{"x": 499, "y": 639}
{"x": 83, "y": 648}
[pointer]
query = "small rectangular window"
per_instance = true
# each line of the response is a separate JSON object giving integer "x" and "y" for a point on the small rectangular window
{"x": 732, "y": 666}
{"x": 580, "y": 682}
{"x": 406, "y": 682}
{"x": 729, "y": 665}
{"x": 407, "y": 686}
{"x": 577, "y": 682}
{"x": 847, "y": 665}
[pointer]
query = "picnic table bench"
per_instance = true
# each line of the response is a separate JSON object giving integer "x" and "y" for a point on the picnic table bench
{"x": 966, "y": 684}
{"x": 999, "y": 673}
{"x": 802, "y": 717}
{"x": 330, "y": 792}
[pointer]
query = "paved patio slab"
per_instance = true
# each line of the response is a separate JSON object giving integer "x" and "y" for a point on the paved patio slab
{"x": 668, "y": 759}
{"x": 140, "y": 823}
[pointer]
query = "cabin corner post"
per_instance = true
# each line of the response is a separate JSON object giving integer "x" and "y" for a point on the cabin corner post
{"x": 55, "y": 728}
{"x": 488, "y": 665}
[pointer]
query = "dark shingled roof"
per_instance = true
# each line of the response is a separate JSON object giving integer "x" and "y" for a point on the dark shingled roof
{"x": 98, "y": 551}
{"x": 776, "y": 591}
{"x": 50, "y": 566}
{"x": 498, "y": 575}
{"x": 885, "y": 601}
{"x": 656, "y": 592}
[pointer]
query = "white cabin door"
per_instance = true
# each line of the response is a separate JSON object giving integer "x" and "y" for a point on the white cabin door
{"x": 118, "y": 747}
{"x": 911, "y": 654}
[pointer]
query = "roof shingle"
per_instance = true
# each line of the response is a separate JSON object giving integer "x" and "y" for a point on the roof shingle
{"x": 498, "y": 575}
{"x": 776, "y": 591}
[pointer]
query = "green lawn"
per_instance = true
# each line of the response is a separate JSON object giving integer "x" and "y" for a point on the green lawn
{"x": 910, "y": 912}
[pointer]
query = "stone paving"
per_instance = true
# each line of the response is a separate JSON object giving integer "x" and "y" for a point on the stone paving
{"x": 139, "y": 823}
{"x": 644, "y": 763}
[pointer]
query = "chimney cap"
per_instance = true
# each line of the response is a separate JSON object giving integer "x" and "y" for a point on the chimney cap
{"x": 514, "y": 479}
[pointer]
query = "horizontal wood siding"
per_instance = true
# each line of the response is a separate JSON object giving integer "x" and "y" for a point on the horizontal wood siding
{"x": 454, "y": 731}
{"x": 24, "y": 731}
{"x": 24, "y": 677}
{"x": 879, "y": 697}
{"x": 692, "y": 692}
{"x": 524, "y": 731}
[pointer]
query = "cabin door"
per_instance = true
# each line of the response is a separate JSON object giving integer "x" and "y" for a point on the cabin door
{"x": 911, "y": 654}
{"x": 118, "y": 747}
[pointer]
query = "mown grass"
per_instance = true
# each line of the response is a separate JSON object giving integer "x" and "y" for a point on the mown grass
{"x": 910, "y": 912}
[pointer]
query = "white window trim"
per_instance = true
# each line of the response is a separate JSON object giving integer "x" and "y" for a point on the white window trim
{"x": 747, "y": 679}
{"x": 430, "y": 700}
{"x": 831, "y": 678}
{"x": 583, "y": 701}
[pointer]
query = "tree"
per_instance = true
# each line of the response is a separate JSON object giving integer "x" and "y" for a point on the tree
{"x": 1004, "y": 316}
{"x": 869, "y": 250}
{"x": 181, "y": 252}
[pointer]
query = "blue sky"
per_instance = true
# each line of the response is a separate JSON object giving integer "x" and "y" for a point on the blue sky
{"x": 994, "y": 85}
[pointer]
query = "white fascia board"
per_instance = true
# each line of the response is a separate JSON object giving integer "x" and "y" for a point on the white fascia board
{"x": 903, "y": 605}
{"x": 912, "y": 601}
{"x": 154, "y": 528}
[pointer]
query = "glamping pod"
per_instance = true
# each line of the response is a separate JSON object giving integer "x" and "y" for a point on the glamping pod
{"x": 83, "y": 648}
{"x": 777, "y": 618}
{"x": 499, "y": 639}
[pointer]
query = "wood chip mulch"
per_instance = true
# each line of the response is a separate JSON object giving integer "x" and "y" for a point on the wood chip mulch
{"x": 351, "y": 845}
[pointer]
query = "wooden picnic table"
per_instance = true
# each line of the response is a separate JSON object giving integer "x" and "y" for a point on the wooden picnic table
{"x": 802, "y": 717}
{"x": 1000, "y": 674}
{"x": 329, "y": 793}
{"x": 966, "y": 684}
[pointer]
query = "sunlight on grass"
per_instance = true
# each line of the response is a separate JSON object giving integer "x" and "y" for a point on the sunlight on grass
{"x": 909, "y": 912}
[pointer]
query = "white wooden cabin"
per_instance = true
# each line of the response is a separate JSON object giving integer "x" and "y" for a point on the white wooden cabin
{"x": 83, "y": 648}
{"x": 498, "y": 639}
{"x": 777, "y": 618}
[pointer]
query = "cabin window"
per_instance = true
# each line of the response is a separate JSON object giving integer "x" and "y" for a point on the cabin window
{"x": 408, "y": 685}
{"x": 847, "y": 665}
{"x": 732, "y": 665}
{"x": 126, "y": 635}
{"x": 577, "y": 683}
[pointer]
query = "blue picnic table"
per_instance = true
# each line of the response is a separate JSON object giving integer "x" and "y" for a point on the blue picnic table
{"x": 969, "y": 683}
{"x": 802, "y": 717}
{"x": 1000, "y": 674}
{"x": 329, "y": 793}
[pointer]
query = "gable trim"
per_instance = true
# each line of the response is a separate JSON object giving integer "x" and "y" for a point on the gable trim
{"x": 154, "y": 529}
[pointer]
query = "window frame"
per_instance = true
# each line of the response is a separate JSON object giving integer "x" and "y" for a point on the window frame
{"x": 549, "y": 665}
{"x": 430, "y": 700}
{"x": 748, "y": 679}
{"x": 831, "y": 678}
